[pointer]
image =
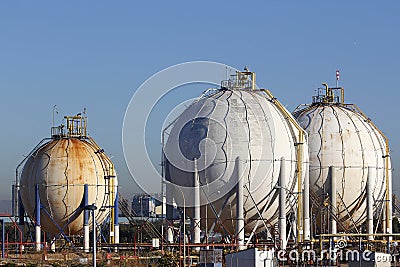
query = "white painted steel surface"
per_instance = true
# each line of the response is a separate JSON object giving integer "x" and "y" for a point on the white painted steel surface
{"x": 218, "y": 128}
{"x": 342, "y": 138}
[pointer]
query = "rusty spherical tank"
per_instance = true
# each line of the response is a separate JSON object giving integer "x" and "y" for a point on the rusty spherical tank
{"x": 61, "y": 168}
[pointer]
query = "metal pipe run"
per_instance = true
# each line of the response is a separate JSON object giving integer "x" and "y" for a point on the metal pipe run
{"x": 306, "y": 203}
{"x": 239, "y": 206}
{"x": 370, "y": 203}
{"x": 282, "y": 204}
{"x": 169, "y": 212}
{"x": 92, "y": 208}
{"x": 357, "y": 235}
{"x": 390, "y": 204}
{"x": 3, "y": 241}
{"x": 333, "y": 199}
{"x": 94, "y": 236}
{"x": 86, "y": 219}
{"x": 116, "y": 219}
{"x": 21, "y": 210}
{"x": 197, "y": 217}
{"x": 37, "y": 218}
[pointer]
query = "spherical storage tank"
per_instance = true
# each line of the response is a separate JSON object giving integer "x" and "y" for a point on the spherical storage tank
{"x": 342, "y": 137}
{"x": 61, "y": 167}
{"x": 236, "y": 124}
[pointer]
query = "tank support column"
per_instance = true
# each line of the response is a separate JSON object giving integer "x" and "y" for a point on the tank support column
{"x": 390, "y": 206}
{"x": 333, "y": 200}
{"x": 306, "y": 204}
{"x": 169, "y": 213}
{"x": 196, "y": 218}
{"x": 86, "y": 232}
{"x": 370, "y": 203}
{"x": 390, "y": 211}
{"x": 116, "y": 220}
{"x": 21, "y": 219}
{"x": 239, "y": 206}
{"x": 37, "y": 218}
{"x": 282, "y": 204}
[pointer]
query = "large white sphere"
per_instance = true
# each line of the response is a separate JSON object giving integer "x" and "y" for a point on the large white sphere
{"x": 342, "y": 138}
{"x": 62, "y": 167}
{"x": 218, "y": 128}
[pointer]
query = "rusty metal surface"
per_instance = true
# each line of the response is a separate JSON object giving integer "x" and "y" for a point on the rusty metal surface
{"x": 61, "y": 168}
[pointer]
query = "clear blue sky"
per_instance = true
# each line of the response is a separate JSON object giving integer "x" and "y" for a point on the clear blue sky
{"x": 94, "y": 54}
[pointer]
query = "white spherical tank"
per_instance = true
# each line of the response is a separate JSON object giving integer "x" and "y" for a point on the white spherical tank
{"x": 61, "y": 168}
{"x": 221, "y": 127}
{"x": 341, "y": 137}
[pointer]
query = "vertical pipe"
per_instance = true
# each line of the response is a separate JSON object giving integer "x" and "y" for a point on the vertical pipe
{"x": 300, "y": 204}
{"x": 282, "y": 204}
{"x": 239, "y": 205}
{"x": 370, "y": 212}
{"x": 384, "y": 217}
{"x": 389, "y": 207}
{"x": 86, "y": 219}
{"x": 333, "y": 200}
{"x": 306, "y": 204}
{"x": 37, "y": 218}
{"x": 196, "y": 218}
{"x": 169, "y": 212}
{"x": 390, "y": 204}
{"x": 184, "y": 228}
{"x": 94, "y": 237}
{"x": 3, "y": 251}
{"x": 116, "y": 219}
{"x": 13, "y": 201}
{"x": 21, "y": 219}
{"x": 21, "y": 210}
{"x": 111, "y": 190}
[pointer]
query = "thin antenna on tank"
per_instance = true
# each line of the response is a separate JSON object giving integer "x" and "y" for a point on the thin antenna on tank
{"x": 337, "y": 78}
{"x": 55, "y": 111}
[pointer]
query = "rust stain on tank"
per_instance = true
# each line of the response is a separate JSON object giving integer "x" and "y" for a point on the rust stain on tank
{"x": 69, "y": 161}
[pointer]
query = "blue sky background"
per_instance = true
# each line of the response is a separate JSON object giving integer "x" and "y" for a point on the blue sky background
{"x": 94, "y": 54}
